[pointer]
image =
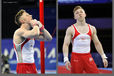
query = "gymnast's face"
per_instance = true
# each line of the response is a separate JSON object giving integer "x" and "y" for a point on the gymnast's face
{"x": 25, "y": 18}
{"x": 79, "y": 14}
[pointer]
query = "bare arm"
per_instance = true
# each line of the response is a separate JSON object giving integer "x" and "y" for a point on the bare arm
{"x": 97, "y": 43}
{"x": 30, "y": 33}
{"x": 66, "y": 43}
{"x": 45, "y": 36}
{"x": 98, "y": 46}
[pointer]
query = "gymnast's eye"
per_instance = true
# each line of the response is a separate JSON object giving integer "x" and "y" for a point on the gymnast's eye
{"x": 77, "y": 12}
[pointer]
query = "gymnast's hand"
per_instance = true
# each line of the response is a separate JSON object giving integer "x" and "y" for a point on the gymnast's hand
{"x": 105, "y": 62}
{"x": 68, "y": 65}
{"x": 33, "y": 23}
{"x": 40, "y": 25}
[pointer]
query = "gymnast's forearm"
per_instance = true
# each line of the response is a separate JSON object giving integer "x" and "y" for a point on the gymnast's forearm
{"x": 99, "y": 48}
{"x": 65, "y": 50}
{"x": 47, "y": 35}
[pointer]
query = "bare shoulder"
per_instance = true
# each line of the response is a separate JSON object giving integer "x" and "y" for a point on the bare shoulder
{"x": 19, "y": 31}
{"x": 93, "y": 29}
{"x": 69, "y": 29}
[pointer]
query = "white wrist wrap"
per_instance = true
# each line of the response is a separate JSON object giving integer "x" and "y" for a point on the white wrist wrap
{"x": 66, "y": 59}
{"x": 103, "y": 56}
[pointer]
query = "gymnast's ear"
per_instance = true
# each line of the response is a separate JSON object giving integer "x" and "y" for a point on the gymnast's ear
{"x": 21, "y": 20}
{"x": 85, "y": 14}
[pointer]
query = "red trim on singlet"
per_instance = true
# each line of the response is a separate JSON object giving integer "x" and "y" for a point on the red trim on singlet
{"x": 15, "y": 48}
{"x": 21, "y": 45}
{"x": 89, "y": 33}
{"x": 24, "y": 43}
{"x": 76, "y": 33}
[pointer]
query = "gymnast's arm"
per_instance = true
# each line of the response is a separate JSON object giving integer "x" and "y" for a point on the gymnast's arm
{"x": 29, "y": 33}
{"x": 98, "y": 46}
{"x": 66, "y": 43}
{"x": 44, "y": 36}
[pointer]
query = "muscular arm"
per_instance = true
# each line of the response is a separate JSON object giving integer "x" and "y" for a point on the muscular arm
{"x": 99, "y": 47}
{"x": 45, "y": 36}
{"x": 66, "y": 43}
{"x": 30, "y": 33}
{"x": 97, "y": 43}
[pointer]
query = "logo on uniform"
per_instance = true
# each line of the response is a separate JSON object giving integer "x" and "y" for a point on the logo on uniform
{"x": 75, "y": 60}
{"x": 90, "y": 59}
{"x": 82, "y": 38}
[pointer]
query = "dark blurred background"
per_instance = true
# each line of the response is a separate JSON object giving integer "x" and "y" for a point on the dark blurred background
{"x": 9, "y": 10}
{"x": 99, "y": 14}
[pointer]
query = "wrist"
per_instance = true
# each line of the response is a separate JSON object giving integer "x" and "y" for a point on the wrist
{"x": 103, "y": 56}
{"x": 39, "y": 24}
{"x": 42, "y": 28}
{"x": 33, "y": 25}
{"x": 66, "y": 59}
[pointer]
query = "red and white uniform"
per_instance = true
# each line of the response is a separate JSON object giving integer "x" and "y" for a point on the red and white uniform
{"x": 81, "y": 59}
{"x": 25, "y": 56}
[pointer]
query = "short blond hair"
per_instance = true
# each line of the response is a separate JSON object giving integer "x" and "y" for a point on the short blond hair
{"x": 76, "y": 8}
{"x": 18, "y": 15}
